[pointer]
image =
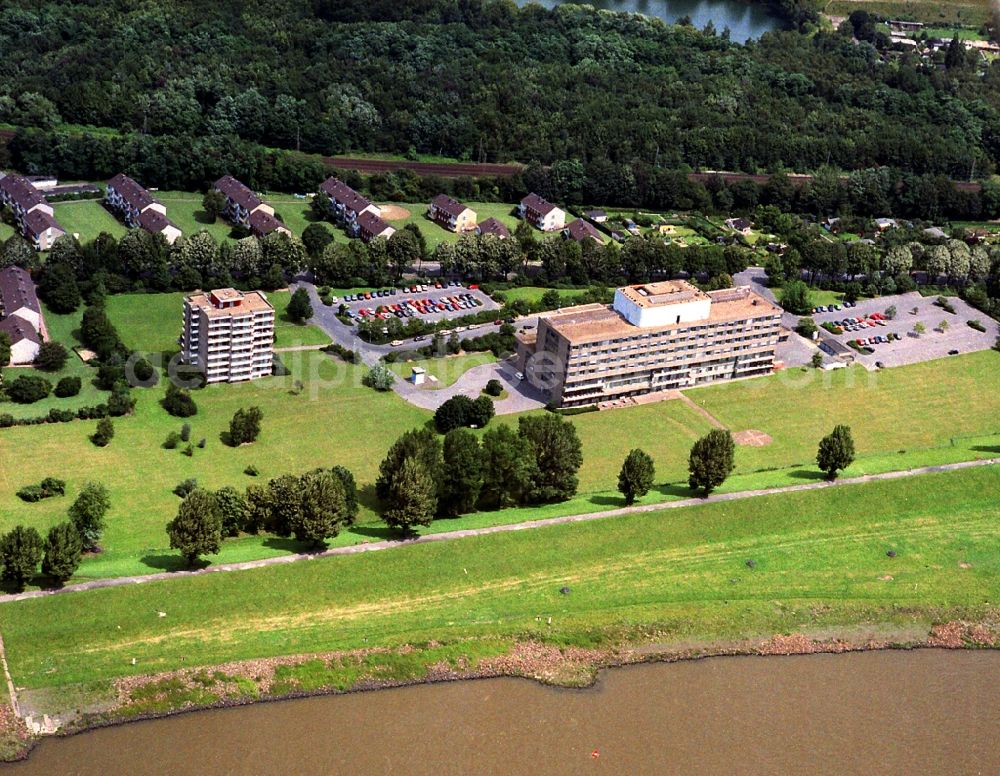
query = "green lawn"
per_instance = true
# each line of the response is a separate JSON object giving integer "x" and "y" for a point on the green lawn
{"x": 62, "y": 328}
{"x": 678, "y": 579}
{"x": 905, "y": 408}
{"x": 817, "y": 296}
{"x": 535, "y": 293}
{"x": 151, "y": 323}
{"x": 447, "y": 370}
{"x": 6, "y": 231}
{"x": 88, "y": 218}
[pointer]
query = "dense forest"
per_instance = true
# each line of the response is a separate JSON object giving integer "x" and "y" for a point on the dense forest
{"x": 482, "y": 80}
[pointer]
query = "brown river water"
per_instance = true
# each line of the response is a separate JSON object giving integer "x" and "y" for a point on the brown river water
{"x": 921, "y": 712}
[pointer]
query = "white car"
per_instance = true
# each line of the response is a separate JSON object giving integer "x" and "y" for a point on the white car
{"x": 518, "y": 376}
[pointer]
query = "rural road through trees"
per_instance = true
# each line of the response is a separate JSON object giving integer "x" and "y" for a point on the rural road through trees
{"x": 526, "y": 525}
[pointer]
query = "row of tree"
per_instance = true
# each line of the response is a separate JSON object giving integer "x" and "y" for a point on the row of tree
{"x": 423, "y": 476}
{"x": 22, "y": 549}
{"x": 312, "y": 507}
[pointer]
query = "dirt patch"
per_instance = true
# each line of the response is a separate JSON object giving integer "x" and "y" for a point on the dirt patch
{"x": 752, "y": 438}
{"x": 394, "y": 213}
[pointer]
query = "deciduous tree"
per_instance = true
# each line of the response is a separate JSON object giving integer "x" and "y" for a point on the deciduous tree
{"x": 197, "y": 528}
{"x": 836, "y": 451}
{"x": 711, "y": 460}
{"x": 636, "y": 475}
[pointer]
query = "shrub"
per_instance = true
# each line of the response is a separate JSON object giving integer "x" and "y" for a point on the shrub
{"x": 31, "y": 493}
{"x": 201, "y": 443}
{"x": 68, "y": 386}
{"x": 186, "y": 432}
{"x": 178, "y": 402}
{"x": 806, "y": 327}
{"x": 251, "y": 471}
{"x": 51, "y": 357}
{"x": 494, "y": 387}
{"x": 188, "y": 451}
{"x": 945, "y": 305}
{"x": 185, "y": 487}
{"x": 459, "y": 411}
{"x": 976, "y": 324}
{"x": 143, "y": 371}
{"x": 379, "y": 377}
{"x": 173, "y": 439}
{"x": 244, "y": 428}
{"x": 104, "y": 433}
{"x": 27, "y": 389}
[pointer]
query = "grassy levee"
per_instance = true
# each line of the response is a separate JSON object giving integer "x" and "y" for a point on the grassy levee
{"x": 820, "y": 566}
{"x": 922, "y": 415}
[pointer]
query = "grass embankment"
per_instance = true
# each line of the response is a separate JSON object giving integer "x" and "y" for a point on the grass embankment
{"x": 677, "y": 579}
{"x": 938, "y": 412}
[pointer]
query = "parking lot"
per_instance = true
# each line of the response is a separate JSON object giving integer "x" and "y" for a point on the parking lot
{"x": 426, "y": 302}
{"x": 910, "y": 348}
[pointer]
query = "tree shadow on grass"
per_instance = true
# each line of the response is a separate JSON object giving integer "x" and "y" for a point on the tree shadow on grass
{"x": 608, "y": 501}
{"x": 202, "y": 217}
{"x": 676, "y": 489}
{"x": 380, "y": 532}
{"x": 172, "y": 562}
{"x": 290, "y": 544}
{"x": 807, "y": 474}
{"x": 986, "y": 448}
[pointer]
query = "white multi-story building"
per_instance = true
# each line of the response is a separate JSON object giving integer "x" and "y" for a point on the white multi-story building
{"x": 655, "y": 337}
{"x": 229, "y": 334}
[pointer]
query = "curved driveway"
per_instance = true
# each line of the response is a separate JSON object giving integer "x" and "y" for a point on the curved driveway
{"x": 520, "y": 397}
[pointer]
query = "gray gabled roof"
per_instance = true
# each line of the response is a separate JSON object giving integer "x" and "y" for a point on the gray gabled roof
{"x": 17, "y": 291}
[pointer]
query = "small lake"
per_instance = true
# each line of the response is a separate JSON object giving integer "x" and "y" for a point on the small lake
{"x": 745, "y": 20}
{"x": 886, "y": 713}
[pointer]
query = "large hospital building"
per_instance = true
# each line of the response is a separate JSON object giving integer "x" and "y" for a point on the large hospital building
{"x": 655, "y": 337}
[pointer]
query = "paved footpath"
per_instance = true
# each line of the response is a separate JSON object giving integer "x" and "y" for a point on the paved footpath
{"x": 528, "y": 524}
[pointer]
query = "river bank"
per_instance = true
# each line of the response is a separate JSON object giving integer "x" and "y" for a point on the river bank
{"x": 350, "y": 672}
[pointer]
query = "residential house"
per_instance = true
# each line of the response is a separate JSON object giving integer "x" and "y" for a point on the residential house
{"x": 451, "y": 214}
{"x": 740, "y": 225}
{"x": 24, "y": 340}
{"x": 935, "y": 232}
{"x": 541, "y": 214}
{"x": 41, "y": 229}
{"x": 494, "y": 227}
{"x": 241, "y": 202}
{"x": 580, "y": 230}
{"x": 597, "y": 216}
{"x": 18, "y": 297}
{"x": 263, "y": 223}
{"x": 130, "y": 199}
{"x": 370, "y": 226}
{"x": 34, "y": 216}
{"x": 346, "y": 204}
{"x": 885, "y": 223}
{"x": 21, "y": 314}
{"x": 156, "y": 222}
{"x": 229, "y": 334}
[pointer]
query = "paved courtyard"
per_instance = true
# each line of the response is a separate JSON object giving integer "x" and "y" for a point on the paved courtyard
{"x": 911, "y": 349}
